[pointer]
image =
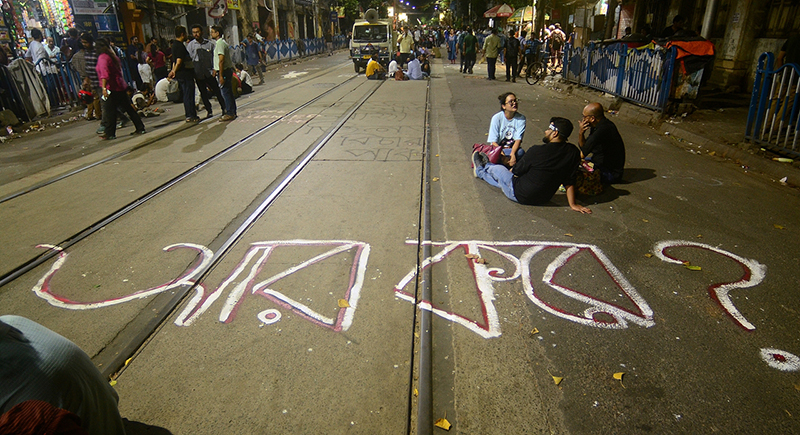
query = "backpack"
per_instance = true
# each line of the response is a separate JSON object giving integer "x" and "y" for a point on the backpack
{"x": 558, "y": 36}
{"x": 204, "y": 64}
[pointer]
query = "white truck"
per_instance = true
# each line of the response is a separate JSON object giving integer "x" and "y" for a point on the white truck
{"x": 371, "y": 35}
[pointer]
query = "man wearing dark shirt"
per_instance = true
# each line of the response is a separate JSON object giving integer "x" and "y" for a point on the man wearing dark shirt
{"x": 183, "y": 71}
{"x": 604, "y": 143}
{"x": 677, "y": 25}
{"x": 132, "y": 57}
{"x": 790, "y": 52}
{"x": 535, "y": 178}
{"x": 511, "y": 56}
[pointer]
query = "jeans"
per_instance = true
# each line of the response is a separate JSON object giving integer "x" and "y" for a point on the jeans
{"x": 209, "y": 87}
{"x": 227, "y": 92}
{"x": 115, "y": 101}
{"x": 187, "y": 88}
{"x": 511, "y": 68}
{"x": 470, "y": 61}
{"x": 498, "y": 176}
{"x": 491, "y": 65}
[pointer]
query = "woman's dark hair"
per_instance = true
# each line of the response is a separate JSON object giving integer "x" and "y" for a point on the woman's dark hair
{"x": 101, "y": 46}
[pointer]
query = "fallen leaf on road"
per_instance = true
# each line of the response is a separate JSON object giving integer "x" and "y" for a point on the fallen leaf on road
{"x": 699, "y": 236}
{"x": 568, "y": 235}
{"x": 618, "y": 376}
{"x": 437, "y": 155}
{"x": 645, "y": 220}
{"x": 480, "y": 260}
{"x": 112, "y": 382}
{"x": 692, "y": 267}
{"x": 648, "y": 255}
{"x": 534, "y": 331}
{"x": 343, "y": 303}
{"x": 442, "y": 423}
{"x": 472, "y": 256}
{"x": 557, "y": 379}
{"x": 127, "y": 361}
{"x": 780, "y": 227}
{"x": 416, "y": 392}
{"x": 782, "y": 159}
{"x": 435, "y": 178}
{"x": 797, "y": 387}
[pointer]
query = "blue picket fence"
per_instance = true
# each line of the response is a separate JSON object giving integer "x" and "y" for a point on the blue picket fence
{"x": 642, "y": 76}
{"x": 774, "y": 116}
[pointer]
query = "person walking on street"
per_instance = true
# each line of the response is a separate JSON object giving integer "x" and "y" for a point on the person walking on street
{"x": 115, "y": 91}
{"x": 201, "y": 51}
{"x": 253, "y": 52}
{"x": 183, "y": 71}
{"x": 512, "y": 54}
{"x": 470, "y": 50}
{"x": 223, "y": 70}
{"x": 491, "y": 47}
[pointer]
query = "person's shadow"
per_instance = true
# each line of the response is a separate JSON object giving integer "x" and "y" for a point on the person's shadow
{"x": 137, "y": 428}
{"x": 611, "y": 192}
{"x": 635, "y": 175}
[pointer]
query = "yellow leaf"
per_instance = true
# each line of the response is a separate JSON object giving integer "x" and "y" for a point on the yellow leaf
{"x": 645, "y": 220}
{"x": 699, "y": 236}
{"x": 343, "y": 303}
{"x": 442, "y": 423}
{"x": 437, "y": 155}
{"x": 534, "y": 331}
{"x": 690, "y": 267}
{"x": 472, "y": 256}
{"x": 779, "y": 227}
{"x": 557, "y": 379}
{"x": 128, "y": 361}
{"x": 569, "y": 235}
{"x": 618, "y": 375}
{"x": 416, "y": 392}
{"x": 113, "y": 382}
{"x": 480, "y": 260}
{"x": 435, "y": 178}
{"x": 648, "y": 255}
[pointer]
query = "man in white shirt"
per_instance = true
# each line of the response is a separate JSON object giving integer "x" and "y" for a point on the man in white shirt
{"x": 36, "y": 51}
{"x": 414, "y": 69}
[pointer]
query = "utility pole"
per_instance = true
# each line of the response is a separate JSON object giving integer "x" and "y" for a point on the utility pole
{"x": 610, "y": 18}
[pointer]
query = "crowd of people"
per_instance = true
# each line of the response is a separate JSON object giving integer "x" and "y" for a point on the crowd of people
{"x": 534, "y": 176}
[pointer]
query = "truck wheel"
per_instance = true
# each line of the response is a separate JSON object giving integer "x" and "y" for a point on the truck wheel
{"x": 357, "y": 68}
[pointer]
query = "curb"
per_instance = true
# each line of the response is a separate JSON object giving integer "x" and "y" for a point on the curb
{"x": 745, "y": 154}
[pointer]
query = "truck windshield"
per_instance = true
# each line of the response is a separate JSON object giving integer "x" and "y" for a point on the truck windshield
{"x": 376, "y": 33}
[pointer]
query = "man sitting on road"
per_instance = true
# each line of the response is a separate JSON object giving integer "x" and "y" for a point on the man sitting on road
{"x": 375, "y": 71}
{"x": 414, "y": 69}
{"x": 536, "y": 177}
{"x": 604, "y": 146}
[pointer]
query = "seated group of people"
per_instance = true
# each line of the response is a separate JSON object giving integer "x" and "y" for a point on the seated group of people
{"x": 419, "y": 68}
{"x": 533, "y": 177}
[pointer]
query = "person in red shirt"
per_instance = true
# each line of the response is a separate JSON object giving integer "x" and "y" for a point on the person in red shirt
{"x": 114, "y": 89}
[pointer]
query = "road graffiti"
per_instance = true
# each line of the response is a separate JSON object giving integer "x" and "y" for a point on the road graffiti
{"x": 485, "y": 277}
{"x": 202, "y": 300}
{"x": 753, "y": 274}
{"x": 781, "y": 360}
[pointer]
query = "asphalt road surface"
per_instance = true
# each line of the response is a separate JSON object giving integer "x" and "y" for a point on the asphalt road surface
{"x": 270, "y": 275}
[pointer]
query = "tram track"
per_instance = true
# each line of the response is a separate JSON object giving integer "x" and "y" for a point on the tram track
{"x": 36, "y": 261}
{"x": 155, "y": 140}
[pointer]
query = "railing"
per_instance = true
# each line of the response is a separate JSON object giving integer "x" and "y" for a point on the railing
{"x": 773, "y": 119}
{"x": 62, "y": 82}
{"x": 642, "y": 76}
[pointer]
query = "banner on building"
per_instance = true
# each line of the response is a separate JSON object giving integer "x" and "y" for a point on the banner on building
{"x": 89, "y": 7}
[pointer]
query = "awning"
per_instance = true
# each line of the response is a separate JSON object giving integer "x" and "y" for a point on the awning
{"x": 501, "y": 11}
{"x": 524, "y": 14}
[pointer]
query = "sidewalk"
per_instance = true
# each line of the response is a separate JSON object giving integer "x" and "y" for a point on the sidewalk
{"x": 714, "y": 131}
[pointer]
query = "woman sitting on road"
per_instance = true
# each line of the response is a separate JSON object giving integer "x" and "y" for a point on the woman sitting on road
{"x": 508, "y": 127}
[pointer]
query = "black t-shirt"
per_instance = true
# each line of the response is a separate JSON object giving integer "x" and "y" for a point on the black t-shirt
{"x": 542, "y": 169}
{"x": 606, "y": 146}
{"x": 132, "y": 50}
{"x": 512, "y": 46}
{"x": 179, "y": 51}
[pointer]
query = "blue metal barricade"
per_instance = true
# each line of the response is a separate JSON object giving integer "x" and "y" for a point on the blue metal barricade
{"x": 774, "y": 119}
{"x": 642, "y": 76}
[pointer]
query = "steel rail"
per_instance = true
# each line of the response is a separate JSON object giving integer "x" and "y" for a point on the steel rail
{"x": 157, "y": 139}
{"x": 38, "y": 260}
{"x": 117, "y": 359}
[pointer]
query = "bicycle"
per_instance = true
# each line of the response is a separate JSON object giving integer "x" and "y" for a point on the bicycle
{"x": 539, "y": 69}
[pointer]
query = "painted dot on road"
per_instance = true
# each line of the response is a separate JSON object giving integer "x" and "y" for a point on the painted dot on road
{"x": 269, "y": 316}
{"x": 781, "y": 360}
